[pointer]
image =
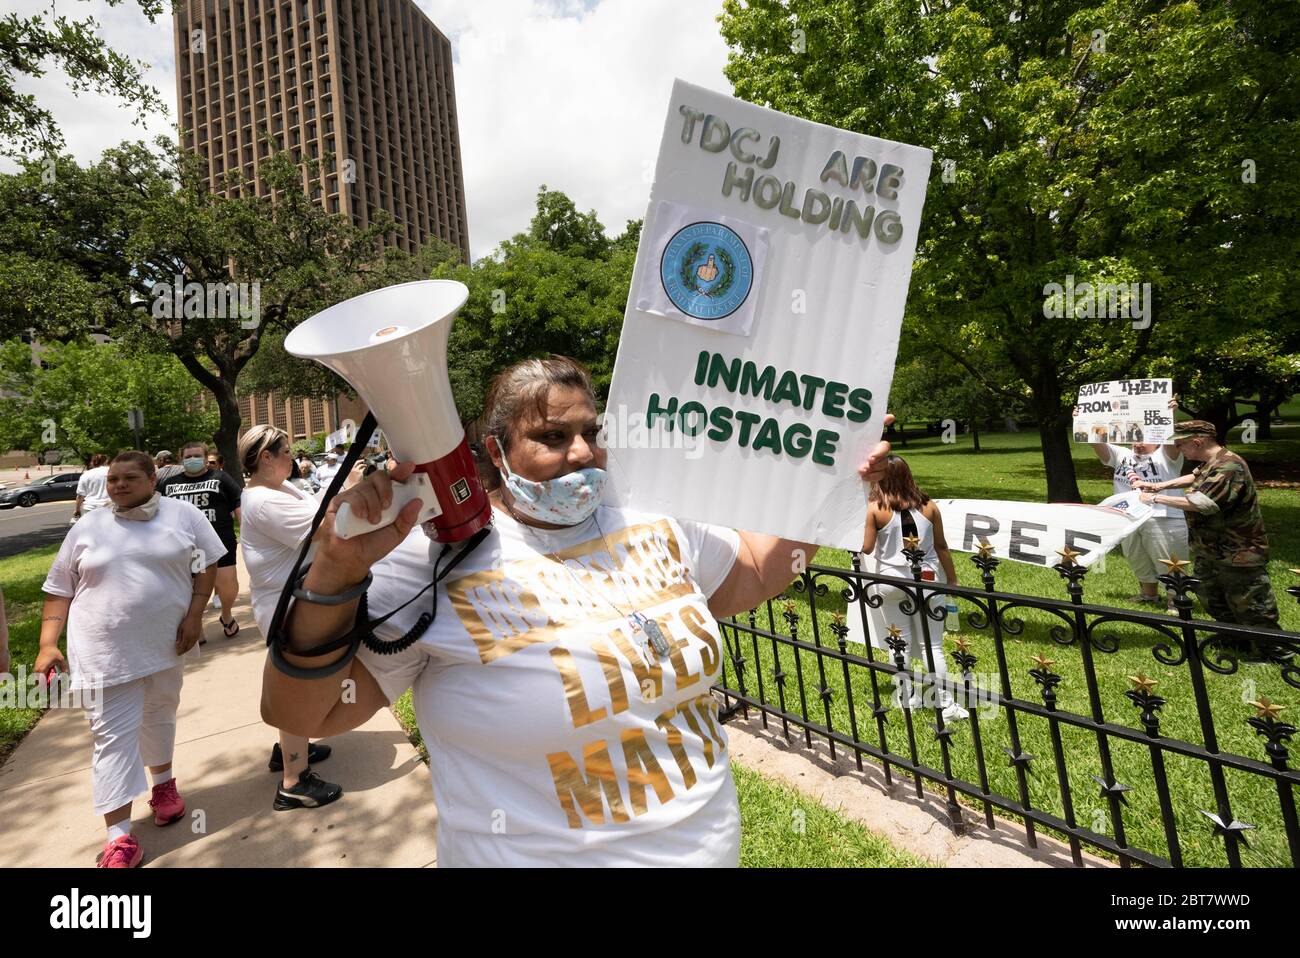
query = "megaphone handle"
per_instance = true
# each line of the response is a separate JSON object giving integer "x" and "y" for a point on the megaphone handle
{"x": 347, "y": 524}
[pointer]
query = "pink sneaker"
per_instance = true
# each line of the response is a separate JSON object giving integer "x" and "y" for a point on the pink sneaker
{"x": 166, "y": 803}
{"x": 122, "y": 852}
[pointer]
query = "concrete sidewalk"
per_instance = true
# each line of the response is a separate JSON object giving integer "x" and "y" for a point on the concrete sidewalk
{"x": 385, "y": 818}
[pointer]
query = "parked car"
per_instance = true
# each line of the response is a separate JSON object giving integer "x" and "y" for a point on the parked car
{"x": 61, "y": 485}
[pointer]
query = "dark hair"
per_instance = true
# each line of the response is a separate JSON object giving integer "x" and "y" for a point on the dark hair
{"x": 897, "y": 489}
{"x": 97, "y": 460}
{"x": 194, "y": 444}
{"x": 137, "y": 457}
{"x": 522, "y": 389}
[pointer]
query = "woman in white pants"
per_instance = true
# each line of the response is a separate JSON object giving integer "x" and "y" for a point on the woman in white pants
{"x": 897, "y": 511}
{"x": 131, "y": 583}
{"x": 276, "y": 518}
{"x": 1164, "y": 535}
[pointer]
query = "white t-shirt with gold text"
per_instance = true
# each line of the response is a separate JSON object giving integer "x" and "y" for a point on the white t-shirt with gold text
{"x": 556, "y": 735}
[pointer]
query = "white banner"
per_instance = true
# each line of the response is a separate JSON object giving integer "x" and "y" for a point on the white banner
{"x": 1032, "y": 532}
{"x": 747, "y": 395}
{"x": 1125, "y": 411}
{"x": 1029, "y": 532}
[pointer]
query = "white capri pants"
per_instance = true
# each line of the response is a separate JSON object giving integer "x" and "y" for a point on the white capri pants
{"x": 1160, "y": 537}
{"x": 134, "y": 725}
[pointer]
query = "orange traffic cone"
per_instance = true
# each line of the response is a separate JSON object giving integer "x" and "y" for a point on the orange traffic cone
{"x": 27, "y": 475}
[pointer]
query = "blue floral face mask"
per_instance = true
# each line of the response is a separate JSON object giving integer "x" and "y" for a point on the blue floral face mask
{"x": 564, "y": 501}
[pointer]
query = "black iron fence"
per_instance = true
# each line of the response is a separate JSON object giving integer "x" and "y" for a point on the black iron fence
{"x": 1155, "y": 779}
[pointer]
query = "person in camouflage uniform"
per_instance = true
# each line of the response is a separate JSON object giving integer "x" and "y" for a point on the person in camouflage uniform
{"x": 1225, "y": 530}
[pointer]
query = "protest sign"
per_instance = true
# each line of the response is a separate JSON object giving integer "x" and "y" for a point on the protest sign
{"x": 1129, "y": 503}
{"x": 1125, "y": 411}
{"x": 763, "y": 318}
{"x": 339, "y": 437}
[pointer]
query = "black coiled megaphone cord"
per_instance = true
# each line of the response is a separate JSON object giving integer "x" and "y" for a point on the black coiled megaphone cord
{"x": 379, "y": 646}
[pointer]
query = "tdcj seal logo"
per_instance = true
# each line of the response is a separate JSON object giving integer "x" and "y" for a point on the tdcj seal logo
{"x": 707, "y": 271}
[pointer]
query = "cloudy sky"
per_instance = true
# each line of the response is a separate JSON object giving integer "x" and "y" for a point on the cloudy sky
{"x": 570, "y": 93}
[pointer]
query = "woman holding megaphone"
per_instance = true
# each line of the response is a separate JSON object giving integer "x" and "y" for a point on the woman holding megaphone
{"x": 561, "y": 672}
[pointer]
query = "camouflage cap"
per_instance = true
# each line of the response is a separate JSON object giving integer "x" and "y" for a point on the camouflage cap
{"x": 1192, "y": 428}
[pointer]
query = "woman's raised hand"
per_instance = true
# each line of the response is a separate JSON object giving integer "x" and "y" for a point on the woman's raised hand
{"x": 874, "y": 468}
{"x": 343, "y": 562}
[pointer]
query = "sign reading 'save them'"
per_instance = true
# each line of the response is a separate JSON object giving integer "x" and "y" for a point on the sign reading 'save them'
{"x": 1125, "y": 411}
{"x": 763, "y": 319}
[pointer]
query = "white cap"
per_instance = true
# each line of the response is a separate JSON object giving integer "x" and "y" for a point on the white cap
{"x": 331, "y": 455}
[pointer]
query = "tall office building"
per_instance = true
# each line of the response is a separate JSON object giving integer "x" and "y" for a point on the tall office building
{"x": 366, "y": 81}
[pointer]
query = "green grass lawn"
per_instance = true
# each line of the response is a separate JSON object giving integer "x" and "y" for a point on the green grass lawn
{"x": 781, "y": 828}
{"x": 1011, "y": 468}
{"x": 21, "y": 577}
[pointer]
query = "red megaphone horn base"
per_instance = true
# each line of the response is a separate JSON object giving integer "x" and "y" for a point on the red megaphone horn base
{"x": 464, "y": 505}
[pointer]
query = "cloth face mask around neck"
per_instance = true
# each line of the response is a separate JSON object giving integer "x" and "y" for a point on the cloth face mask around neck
{"x": 563, "y": 501}
{"x": 143, "y": 512}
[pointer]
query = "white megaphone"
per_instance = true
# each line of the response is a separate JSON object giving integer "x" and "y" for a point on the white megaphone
{"x": 391, "y": 347}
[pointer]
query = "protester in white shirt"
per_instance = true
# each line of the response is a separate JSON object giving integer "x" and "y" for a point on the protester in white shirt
{"x": 326, "y": 470}
{"x": 563, "y": 685}
{"x": 306, "y": 478}
{"x": 131, "y": 583}
{"x": 276, "y": 517}
{"x": 1163, "y": 537}
{"x": 91, "y": 487}
{"x": 896, "y": 511}
{"x": 166, "y": 465}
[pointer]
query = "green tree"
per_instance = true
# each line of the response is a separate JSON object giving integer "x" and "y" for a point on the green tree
{"x": 1103, "y": 140}
{"x": 29, "y": 46}
{"x": 560, "y": 287}
{"x": 108, "y": 245}
{"x": 1256, "y": 369}
{"x": 933, "y": 388}
{"x": 77, "y": 397}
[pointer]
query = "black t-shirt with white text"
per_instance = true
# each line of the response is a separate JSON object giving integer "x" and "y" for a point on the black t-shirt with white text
{"x": 212, "y": 492}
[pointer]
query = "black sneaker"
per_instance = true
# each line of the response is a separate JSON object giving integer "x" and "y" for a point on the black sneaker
{"x": 310, "y": 792}
{"x": 316, "y": 754}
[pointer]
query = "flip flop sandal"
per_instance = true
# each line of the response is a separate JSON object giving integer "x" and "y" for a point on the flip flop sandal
{"x": 231, "y": 628}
